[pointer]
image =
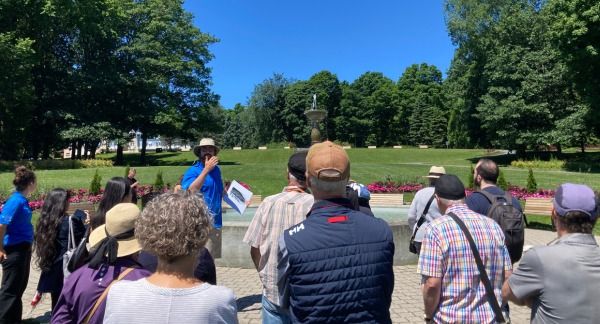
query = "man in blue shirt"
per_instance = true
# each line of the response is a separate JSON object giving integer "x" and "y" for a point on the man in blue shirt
{"x": 204, "y": 177}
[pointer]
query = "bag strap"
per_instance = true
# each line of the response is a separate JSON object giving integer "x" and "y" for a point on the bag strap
{"x": 71, "y": 239}
{"x": 104, "y": 294}
{"x": 422, "y": 219}
{"x": 482, "y": 273}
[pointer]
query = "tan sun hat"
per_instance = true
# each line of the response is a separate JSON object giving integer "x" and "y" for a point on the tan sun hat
{"x": 435, "y": 172}
{"x": 328, "y": 162}
{"x": 205, "y": 142}
{"x": 119, "y": 220}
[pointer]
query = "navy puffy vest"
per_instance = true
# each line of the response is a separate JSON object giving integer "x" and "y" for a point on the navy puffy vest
{"x": 340, "y": 266}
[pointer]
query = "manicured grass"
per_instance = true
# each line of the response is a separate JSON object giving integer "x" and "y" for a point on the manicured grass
{"x": 265, "y": 170}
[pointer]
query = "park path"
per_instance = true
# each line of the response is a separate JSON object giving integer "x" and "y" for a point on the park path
{"x": 407, "y": 303}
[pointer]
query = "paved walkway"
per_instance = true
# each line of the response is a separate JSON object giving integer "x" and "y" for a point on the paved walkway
{"x": 407, "y": 303}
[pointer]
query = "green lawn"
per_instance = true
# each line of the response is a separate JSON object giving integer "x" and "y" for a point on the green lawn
{"x": 264, "y": 170}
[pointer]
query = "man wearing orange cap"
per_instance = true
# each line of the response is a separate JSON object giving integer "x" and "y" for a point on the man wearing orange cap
{"x": 336, "y": 265}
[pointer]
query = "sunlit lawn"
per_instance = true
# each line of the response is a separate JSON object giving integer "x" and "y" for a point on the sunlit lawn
{"x": 264, "y": 170}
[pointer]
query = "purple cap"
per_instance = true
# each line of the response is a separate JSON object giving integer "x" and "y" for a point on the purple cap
{"x": 575, "y": 197}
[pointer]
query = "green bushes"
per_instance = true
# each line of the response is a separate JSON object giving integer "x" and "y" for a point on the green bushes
{"x": 159, "y": 182}
{"x": 554, "y": 164}
{"x": 502, "y": 181}
{"x": 96, "y": 184}
{"x": 57, "y": 164}
{"x": 531, "y": 183}
{"x": 471, "y": 184}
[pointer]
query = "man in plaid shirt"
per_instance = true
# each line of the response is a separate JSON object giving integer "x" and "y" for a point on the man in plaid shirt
{"x": 452, "y": 288}
{"x": 274, "y": 215}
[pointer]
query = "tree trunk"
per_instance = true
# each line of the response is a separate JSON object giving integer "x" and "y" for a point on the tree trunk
{"x": 119, "y": 159}
{"x": 47, "y": 149}
{"x": 143, "y": 151}
{"x": 79, "y": 146}
{"x": 73, "y": 149}
{"x": 558, "y": 149}
{"x": 582, "y": 146}
{"x": 93, "y": 147}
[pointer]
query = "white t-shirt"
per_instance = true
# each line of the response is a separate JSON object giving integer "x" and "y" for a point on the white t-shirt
{"x": 142, "y": 302}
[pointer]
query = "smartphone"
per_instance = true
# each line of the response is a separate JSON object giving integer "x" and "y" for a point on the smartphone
{"x": 79, "y": 214}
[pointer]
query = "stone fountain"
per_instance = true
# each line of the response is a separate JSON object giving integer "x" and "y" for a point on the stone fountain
{"x": 315, "y": 116}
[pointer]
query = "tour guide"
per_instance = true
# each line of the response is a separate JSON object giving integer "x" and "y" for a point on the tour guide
{"x": 204, "y": 176}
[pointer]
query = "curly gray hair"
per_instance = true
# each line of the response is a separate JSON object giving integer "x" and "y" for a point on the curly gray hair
{"x": 174, "y": 225}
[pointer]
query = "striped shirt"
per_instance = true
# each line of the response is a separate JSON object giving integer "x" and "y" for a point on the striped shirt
{"x": 142, "y": 302}
{"x": 446, "y": 254}
{"x": 274, "y": 215}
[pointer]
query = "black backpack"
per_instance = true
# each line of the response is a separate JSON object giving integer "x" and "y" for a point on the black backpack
{"x": 510, "y": 219}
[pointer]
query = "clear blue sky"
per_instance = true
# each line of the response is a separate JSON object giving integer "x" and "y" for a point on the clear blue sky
{"x": 302, "y": 37}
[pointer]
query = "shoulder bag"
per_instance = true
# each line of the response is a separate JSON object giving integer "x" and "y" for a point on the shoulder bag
{"x": 413, "y": 246}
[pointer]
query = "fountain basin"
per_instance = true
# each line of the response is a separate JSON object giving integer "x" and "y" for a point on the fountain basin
{"x": 236, "y": 253}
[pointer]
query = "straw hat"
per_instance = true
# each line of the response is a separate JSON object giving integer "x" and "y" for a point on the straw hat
{"x": 205, "y": 142}
{"x": 435, "y": 172}
{"x": 119, "y": 219}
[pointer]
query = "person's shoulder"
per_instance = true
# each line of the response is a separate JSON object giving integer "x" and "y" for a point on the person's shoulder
{"x": 221, "y": 293}
{"x": 126, "y": 285}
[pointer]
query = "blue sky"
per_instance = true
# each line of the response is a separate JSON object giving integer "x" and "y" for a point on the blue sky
{"x": 302, "y": 37}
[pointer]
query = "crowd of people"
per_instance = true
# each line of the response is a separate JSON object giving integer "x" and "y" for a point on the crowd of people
{"x": 321, "y": 254}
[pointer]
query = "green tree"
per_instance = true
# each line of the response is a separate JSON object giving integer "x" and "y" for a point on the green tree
{"x": 422, "y": 115}
{"x": 268, "y": 104}
{"x": 502, "y": 184}
{"x": 575, "y": 29}
{"x": 96, "y": 184}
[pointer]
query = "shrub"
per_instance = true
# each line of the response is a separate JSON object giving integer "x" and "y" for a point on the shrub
{"x": 502, "y": 181}
{"x": 158, "y": 182}
{"x": 539, "y": 164}
{"x": 96, "y": 184}
{"x": 471, "y": 184}
{"x": 531, "y": 183}
{"x": 127, "y": 171}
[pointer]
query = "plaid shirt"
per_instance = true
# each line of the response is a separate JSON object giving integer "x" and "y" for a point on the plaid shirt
{"x": 274, "y": 215}
{"x": 446, "y": 254}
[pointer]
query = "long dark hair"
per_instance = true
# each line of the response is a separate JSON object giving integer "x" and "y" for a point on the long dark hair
{"x": 115, "y": 191}
{"x": 54, "y": 209}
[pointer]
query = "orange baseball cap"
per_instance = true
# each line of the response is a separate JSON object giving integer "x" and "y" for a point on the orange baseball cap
{"x": 328, "y": 162}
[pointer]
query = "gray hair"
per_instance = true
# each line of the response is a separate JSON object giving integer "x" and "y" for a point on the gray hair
{"x": 448, "y": 202}
{"x": 173, "y": 225}
{"x": 330, "y": 187}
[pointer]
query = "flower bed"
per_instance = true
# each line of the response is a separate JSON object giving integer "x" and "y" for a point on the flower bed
{"x": 82, "y": 195}
{"x": 392, "y": 187}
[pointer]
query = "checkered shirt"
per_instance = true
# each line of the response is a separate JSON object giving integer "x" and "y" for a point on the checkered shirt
{"x": 274, "y": 215}
{"x": 446, "y": 254}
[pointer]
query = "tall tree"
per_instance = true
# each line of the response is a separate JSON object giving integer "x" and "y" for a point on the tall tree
{"x": 267, "y": 101}
{"x": 421, "y": 117}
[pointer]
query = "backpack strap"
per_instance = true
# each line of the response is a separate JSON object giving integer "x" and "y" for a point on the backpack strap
{"x": 482, "y": 273}
{"x": 492, "y": 198}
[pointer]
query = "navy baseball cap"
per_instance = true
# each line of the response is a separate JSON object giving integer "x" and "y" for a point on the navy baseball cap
{"x": 575, "y": 197}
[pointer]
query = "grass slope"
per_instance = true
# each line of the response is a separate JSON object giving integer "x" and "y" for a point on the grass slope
{"x": 264, "y": 170}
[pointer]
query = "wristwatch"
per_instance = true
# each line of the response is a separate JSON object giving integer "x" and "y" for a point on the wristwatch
{"x": 427, "y": 319}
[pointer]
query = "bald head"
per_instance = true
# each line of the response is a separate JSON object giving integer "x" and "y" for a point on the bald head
{"x": 486, "y": 170}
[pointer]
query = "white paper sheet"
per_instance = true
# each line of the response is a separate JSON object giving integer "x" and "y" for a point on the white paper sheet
{"x": 237, "y": 197}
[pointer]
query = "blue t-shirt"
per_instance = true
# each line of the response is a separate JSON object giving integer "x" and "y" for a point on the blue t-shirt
{"x": 212, "y": 189}
{"x": 16, "y": 214}
{"x": 478, "y": 203}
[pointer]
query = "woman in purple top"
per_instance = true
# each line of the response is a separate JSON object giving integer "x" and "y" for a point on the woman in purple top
{"x": 16, "y": 235}
{"x": 114, "y": 251}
